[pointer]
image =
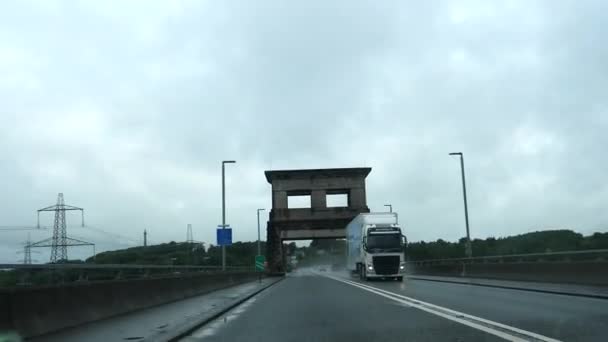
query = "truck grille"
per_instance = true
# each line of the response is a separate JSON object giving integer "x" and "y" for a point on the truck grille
{"x": 386, "y": 264}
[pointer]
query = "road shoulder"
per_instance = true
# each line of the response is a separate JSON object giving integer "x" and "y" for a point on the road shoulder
{"x": 165, "y": 322}
{"x": 562, "y": 289}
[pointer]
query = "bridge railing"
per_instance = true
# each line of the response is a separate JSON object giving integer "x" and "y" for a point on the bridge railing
{"x": 20, "y": 275}
{"x": 585, "y": 267}
{"x": 564, "y": 256}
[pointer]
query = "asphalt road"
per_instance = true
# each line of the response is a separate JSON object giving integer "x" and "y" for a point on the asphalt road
{"x": 334, "y": 307}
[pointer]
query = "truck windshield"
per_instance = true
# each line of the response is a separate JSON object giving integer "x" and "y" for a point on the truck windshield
{"x": 384, "y": 241}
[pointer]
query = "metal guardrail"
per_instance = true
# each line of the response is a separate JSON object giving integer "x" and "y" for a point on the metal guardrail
{"x": 590, "y": 254}
{"x": 19, "y": 275}
{"x": 117, "y": 266}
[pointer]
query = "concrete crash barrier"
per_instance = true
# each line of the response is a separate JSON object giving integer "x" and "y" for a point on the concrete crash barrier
{"x": 581, "y": 273}
{"x": 36, "y": 311}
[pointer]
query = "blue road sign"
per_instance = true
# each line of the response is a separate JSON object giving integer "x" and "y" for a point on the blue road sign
{"x": 224, "y": 236}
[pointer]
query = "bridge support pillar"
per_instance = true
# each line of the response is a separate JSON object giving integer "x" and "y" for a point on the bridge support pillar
{"x": 274, "y": 250}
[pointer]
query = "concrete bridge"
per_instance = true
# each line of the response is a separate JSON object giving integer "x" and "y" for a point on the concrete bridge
{"x": 502, "y": 297}
{"x": 318, "y": 221}
{"x": 540, "y": 297}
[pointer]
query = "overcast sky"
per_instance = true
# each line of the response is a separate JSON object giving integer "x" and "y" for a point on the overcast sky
{"x": 128, "y": 108}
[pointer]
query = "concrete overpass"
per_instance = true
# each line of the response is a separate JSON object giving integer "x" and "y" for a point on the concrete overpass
{"x": 540, "y": 297}
{"x": 318, "y": 221}
{"x": 315, "y": 305}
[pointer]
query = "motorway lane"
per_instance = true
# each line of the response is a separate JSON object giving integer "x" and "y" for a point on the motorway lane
{"x": 309, "y": 307}
{"x": 567, "y": 318}
{"x": 312, "y": 307}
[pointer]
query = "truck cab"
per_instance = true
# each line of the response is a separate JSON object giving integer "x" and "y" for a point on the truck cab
{"x": 375, "y": 246}
{"x": 383, "y": 253}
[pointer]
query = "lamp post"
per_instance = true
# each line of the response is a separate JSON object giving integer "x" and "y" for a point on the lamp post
{"x": 259, "y": 246}
{"x": 224, "y": 208}
{"x": 469, "y": 250}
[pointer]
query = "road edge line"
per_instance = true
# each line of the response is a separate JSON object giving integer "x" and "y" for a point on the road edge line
{"x": 191, "y": 328}
{"x": 585, "y": 295}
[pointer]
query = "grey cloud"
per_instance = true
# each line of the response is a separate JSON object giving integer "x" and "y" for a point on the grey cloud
{"x": 129, "y": 110}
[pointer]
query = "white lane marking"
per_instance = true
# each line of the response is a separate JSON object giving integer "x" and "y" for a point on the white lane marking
{"x": 498, "y": 329}
{"x": 454, "y": 312}
{"x": 450, "y": 317}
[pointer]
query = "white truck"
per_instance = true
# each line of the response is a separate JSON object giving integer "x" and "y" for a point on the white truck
{"x": 375, "y": 246}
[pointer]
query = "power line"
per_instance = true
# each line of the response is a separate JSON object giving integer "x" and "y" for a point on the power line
{"x": 59, "y": 242}
{"x": 22, "y": 228}
{"x": 27, "y": 251}
{"x": 189, "y": 236}
{"x": 115, "y": 235}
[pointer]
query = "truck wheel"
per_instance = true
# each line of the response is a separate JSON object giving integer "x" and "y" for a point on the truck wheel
{"x": 365, "y": 274}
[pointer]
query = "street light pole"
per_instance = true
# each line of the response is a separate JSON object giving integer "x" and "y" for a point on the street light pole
{"x": 224, "y": 208}
{"x": 469, "y": 250}
{"x": 390, "y": 206}
{"x": 259, "y": 246}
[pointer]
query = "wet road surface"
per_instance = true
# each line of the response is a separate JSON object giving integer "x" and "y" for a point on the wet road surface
{"x": 309, "y": 306}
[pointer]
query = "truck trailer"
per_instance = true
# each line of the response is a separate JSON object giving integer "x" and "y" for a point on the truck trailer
{"x": 375, "y": 246}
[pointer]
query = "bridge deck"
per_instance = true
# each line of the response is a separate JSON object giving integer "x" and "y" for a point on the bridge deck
{"x": 342, "y": 311}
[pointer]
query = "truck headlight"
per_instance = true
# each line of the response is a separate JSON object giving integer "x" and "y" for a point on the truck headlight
{"x": 370, "y": 267}
{"x": 402, "y": 266}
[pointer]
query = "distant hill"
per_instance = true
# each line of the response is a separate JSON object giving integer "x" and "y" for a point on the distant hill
{"x": 180, "y": 253}
{"x": 535, "y": 242}
{"x": 243, "y": 253}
